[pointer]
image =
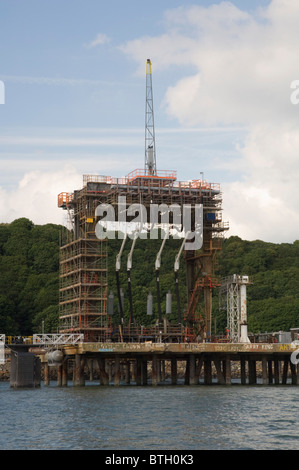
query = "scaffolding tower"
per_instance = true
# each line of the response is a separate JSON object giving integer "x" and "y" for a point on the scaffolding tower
{"x": 83, "y": 259}
{"x": 83, "y": 267}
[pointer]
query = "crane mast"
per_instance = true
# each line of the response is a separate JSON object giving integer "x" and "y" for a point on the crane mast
{"x": 150, "y": 145}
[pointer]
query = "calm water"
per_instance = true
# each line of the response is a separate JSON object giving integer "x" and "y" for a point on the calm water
{"x": 150, "y": 418}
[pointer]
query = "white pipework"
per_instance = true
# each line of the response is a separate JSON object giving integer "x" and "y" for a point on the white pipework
{"x": 243, "y": 315}
{"x": 129, "y": 262}
{"x": 118, "y": 258}
{"x": 158, "y": 258}
{"x": 177, "y": 258}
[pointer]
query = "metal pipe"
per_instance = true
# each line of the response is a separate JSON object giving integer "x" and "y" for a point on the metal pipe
{"x": 178, "y": 296}
{"x": 117, "y": 267}
{"x": 157, "y": 266}
{"x": 129, "y": 267}
{"x": 130, "y": 297}
{"x": 176, "y": 268}
{"x": 158, "y": 296}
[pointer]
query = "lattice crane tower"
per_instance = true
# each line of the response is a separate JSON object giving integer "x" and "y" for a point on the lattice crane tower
{"x": 233, "y": 295}
{"x": 150, "y": 144}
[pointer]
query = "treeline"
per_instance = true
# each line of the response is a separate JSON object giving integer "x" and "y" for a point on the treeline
{"x": 29, "y": 279}
{"x": 273, "y": 298}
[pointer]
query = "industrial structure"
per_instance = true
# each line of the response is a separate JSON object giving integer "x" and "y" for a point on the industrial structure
{"x": 89, "y": 342}
{"x": 84, "y": 289}
{"x": 233, "y": 299}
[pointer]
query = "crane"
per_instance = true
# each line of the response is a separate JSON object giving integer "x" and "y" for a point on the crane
{"x": 150, "y": 144}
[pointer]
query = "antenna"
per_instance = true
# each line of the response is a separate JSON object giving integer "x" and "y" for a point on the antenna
{"x": 150, "y": 145}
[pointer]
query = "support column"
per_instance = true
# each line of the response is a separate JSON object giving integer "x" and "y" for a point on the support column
{"x": 220, "y": 376}
{"x": 207, "y": 371}
{"x": 109, "y": 367}
{"x": 264, "y": 371}
{"x": 252, "y": 371}
{"x": 228, "y": 372}
{"x": 59, "y": 375}
{"x": 133, "y": 371}
{"x": 270, "y": 372}
{"x": 144, "y": 372}
{"x": 117, "y": 371}
{"x": 192, "y": 379}
{"x": 198, "y": 368}
{"x": 285, "y": 371}
{"x": 90, "y": 367}
{"x": 79, "y": 370}
{"x": 64, "y": 372}
{"x": 154, "y": 370}
{"x": 187, "y": 381}
{"x": 293, "y": 373}
{"x": 159, "y": 370}
{"x": 243, "y": 371}
{"x": 104, "y": 379}
{"x": 174, "y": 371}
{"x": 276, "y": 372}
{"x": 163, "y": 370}
{"x": 46, "y": 374}
{"x": 138, "y": 370}
{"x": 127, "y": 372}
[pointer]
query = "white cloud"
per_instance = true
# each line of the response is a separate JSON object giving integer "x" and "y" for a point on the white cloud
{"x": 36, "y": 196}
{"x": 99, "y": 40}
{"x": 52, "y": 81}
{"x": 243, "y": 65}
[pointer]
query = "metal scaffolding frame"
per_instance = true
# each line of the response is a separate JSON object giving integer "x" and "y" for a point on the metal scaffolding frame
{"x": 232, "y": 298}
{"x": 83, "y": 259}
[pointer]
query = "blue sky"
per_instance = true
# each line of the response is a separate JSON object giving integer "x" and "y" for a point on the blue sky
{"x": 74, "y": 76}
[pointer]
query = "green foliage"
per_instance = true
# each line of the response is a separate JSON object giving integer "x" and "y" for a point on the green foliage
{"x": 273, "y": 298}
{"x": 29, "y": 276}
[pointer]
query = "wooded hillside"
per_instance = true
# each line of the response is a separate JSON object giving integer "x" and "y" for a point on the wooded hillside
{"x": 29, "y": 279}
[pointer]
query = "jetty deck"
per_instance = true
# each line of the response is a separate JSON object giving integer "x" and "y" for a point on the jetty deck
{"x": 278, "y": 362}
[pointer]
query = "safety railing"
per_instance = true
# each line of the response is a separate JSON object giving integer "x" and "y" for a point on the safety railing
{"x": 57, "y": 339}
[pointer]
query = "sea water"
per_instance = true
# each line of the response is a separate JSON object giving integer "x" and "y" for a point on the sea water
{"x": 164, "y": 417}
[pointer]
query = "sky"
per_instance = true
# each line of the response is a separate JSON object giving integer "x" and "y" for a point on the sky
{"x": 224, "y": 89}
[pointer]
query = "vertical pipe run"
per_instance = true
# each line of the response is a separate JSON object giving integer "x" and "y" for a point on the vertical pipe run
{"x": 119, "y": 298}
{"x": 158, "y": 296}
{"x": 130, "y": 297}
{"x": 178, "y": 297}
{"x": 173, "y": 371}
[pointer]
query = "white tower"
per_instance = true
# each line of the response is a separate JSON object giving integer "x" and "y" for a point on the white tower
{"x": 233, "y": 293}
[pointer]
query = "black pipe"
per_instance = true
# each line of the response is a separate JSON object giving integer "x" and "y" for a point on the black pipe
{"x": 177, "y": 296}
{"x": 119, "y": 298}
{"x": 130, "y": 298}
{"x": 158, "y": 296}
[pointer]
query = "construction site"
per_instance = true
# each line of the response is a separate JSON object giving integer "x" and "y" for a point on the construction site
{"x": 84, "y": 290}
{"x": 95, "y": 317}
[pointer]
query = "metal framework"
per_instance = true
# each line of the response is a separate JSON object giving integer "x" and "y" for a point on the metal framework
{"x": 150, "y": 141}
{"x": 83, "y": 266}
{"x": 83, "y": 259}
{"x": 57, "y": 339}
{"x": 233, "y": 300}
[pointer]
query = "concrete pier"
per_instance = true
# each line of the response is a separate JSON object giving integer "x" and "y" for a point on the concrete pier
{"x": 187, "y": 363}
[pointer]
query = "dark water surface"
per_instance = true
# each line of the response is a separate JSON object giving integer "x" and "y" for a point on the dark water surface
{"x": 150, "y": 418}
